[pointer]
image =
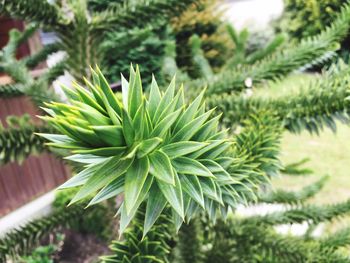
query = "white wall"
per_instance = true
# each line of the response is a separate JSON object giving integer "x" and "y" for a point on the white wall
{"x": 255, "y": 14}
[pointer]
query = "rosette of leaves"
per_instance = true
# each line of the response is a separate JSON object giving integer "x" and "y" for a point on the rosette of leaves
{"x": 155, "y": 149}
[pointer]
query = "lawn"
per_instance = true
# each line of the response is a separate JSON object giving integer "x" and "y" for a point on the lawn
{"x": 329, "y": 152}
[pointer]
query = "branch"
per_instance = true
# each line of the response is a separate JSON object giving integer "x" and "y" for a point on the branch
{"x": 313, "y": 108}
{"x": 336, "y": 240}
{"x": 37, "y": 89}
{"x": 256, "y": 150}
{"x": 8, "y": 62}
{"x": 245, "y": 241}
{"x": 11, "y": 90}
{"x": 54, "y": 72}
{"x": 289, "y": 197}
{"x": 295, "y": 169}
{"x": 310, "y": 213}
{"x": 199, "y": 60}
{"x": 40, "y": 11}
{"x": 284, "y": 62}
{"x": 42, "y": 55}
{"x": 271, "y": 245}
{"x": 21, "y": 240}
{"x": 18, "y": 140}
{"x": 138, "y": 14}
{"x": 271, "y": 47}
{"x": 154, "y": 247}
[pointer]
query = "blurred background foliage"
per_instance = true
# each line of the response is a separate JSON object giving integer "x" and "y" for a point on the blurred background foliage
{"x": 302, "y": 18}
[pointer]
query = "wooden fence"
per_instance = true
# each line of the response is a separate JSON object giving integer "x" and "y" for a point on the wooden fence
{"x": 21, "y": 183}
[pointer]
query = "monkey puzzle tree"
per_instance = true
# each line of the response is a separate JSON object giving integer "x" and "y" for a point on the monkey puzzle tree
{"x": 173, "y": 160}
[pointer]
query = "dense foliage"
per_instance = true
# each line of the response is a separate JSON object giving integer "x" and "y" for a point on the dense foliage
{"x": 160, "y": 149}
{"x": 305, "y": 18}
{"x": 167, "y": 151}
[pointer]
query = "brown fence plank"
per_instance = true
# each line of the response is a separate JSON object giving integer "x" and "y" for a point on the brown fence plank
{"x": 18, "y": 106}
{"x": 37, "y": 175}
{"x": 21, "y": 183}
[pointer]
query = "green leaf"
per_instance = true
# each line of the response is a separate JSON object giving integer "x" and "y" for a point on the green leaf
{"x": 125, "y": 218}
{"x": 161, "y": 167}
{"x": 114, "y": 188}
{"x": 107, "y": 91}
{"x": 81, "y": 134}
{"x": 70, "y": 146}
{"x": 191, "y": 210}
{"x": 66, "y": 128}
{"x": 139, "y": 122}
{"x": 111, "y": 112}
{"x": 178, "y": 221}
{"x": 208, "y": 129}
{"x": 169, "y": 108}
{"x": 48, "y": 111}
{"x": 135, "y": 94}
{"x": 163, "y": 126}
{"x": 190, "y": 184}
{"x": 86, "y": 158}
{"x": 147, "y": 146}
{"x": 125, "y": 91}
{"x": 190, "y": 166}
{"x": 225, "y": 162}
{"x": 231, "y": 200}
{"x": 132, "y": 76}
{"x": 177, "y": 149}
{"x": 95, "y": 91}
{"x": 217, "y": 150}
{"x": 86, "y": 98}
{"x": 111, "y": 134}
{"x": 128, "y": 129}
{"x": 173, "y": 193}
{"x": 209, "y": 189}
{"x": 222, "y": 135}
{"x": 93, "y": 116}
{"x": 105, "y": 151}
{"x": 82, "y": 177}
{"x": 189, "y": 113}
{"x": 220, "y": 173}
{"x": 205, "y": 149}
{"x": 165, "y": 100}
{"x": 181, "y": 100}
{"x": 210, "y": 208}
{"x": 155, "y": 205}
{"x": 56, "y": 138}
{"x": 61, "y": 108}
{"x": 134, "y": 179}
{"x": 110, "y": 170}
{"x": 77, "y": 121}
{"x": 132, "y": 151}
{"x": 201, "y": 110}
{"x": 154, "y": 98}
{"x": 148, "y": 125}
{"x": 114, "y": 116}
{"x": 70, "y": 93}
{"x": 186, "y": 133}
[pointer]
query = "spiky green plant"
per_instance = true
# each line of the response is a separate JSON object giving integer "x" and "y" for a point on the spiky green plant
{"x": 17, "y": 140}
{"x": 155, "y": 247}
{"x": 156, "y": 148}
{"x": 20, "y": 241}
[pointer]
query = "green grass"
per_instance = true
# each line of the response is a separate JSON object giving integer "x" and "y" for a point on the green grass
{"x": 329, "y": 153}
